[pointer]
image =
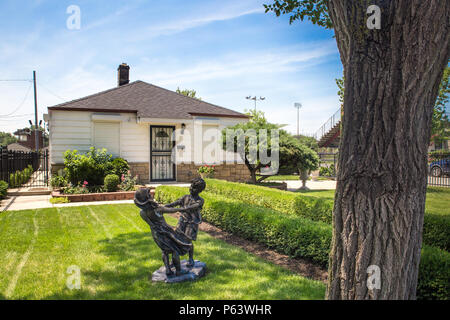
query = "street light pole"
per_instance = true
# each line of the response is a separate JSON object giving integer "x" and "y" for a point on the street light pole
{"x": 36, "y": 130}
{"x": 255, "y": 99}
{"x": 298, "y": 106}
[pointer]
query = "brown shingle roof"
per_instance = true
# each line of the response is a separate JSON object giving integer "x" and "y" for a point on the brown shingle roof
{"x": 148, "y": 101}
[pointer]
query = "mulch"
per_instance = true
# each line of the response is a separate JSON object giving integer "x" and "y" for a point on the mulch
{"x": 302, "y": 267}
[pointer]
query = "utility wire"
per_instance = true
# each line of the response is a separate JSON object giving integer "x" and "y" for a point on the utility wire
{"x": 51, "y": 92}
{"x": 15, "y": 80}
{"x": 20, "y": 104}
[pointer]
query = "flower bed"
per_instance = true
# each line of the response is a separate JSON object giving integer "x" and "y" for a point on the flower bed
{"x": 103, "y": 196}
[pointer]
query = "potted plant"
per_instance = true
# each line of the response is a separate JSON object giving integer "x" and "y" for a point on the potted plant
{"x": 206, "y": 171}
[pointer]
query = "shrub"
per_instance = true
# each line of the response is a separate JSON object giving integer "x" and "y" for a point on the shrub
{"x": 112, "y": 182}
{"x": 58, "y": 181}
{"x": 3, "y": 189}
{"x": 59, "y": 200}
{"x": 128, "y": 183}
{"x": 314, "y": 208}
{"x": 119, "y": 167}
{"x": 434, "y": 274}
{"x": 92, "y": 166}
{"x": 436, "y": 230}
{"x": 291, "y": 235}
{"x": 19, "y": 178}
{"x": 299, "y": 237}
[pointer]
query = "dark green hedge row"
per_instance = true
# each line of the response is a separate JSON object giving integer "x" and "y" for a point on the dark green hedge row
{"x": 3, "y": 189}
{"x": 300, "y": 237}
{"x": 436, "y": 230}
{"x": 291, "y": 235}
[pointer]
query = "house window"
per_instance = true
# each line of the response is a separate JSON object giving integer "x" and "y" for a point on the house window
{"x": 23, "y": 138}
{"x": 107, "y": 135}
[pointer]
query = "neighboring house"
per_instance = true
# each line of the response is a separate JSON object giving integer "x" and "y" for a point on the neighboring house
{"x": 165, "y": 136}
{"x": 27, "y": 138}
{"x": 18, "y": 147}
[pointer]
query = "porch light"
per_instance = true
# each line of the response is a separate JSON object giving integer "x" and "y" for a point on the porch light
{"x": 183, "y": 126}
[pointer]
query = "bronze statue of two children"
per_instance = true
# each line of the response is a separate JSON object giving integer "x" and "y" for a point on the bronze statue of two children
{"x": 176, "y": 242}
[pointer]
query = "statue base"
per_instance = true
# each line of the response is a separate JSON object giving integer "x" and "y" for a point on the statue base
{"x": 194, "y": 273}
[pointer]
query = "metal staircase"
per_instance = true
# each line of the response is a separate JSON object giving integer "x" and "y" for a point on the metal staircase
{"x": 328, "y": 135}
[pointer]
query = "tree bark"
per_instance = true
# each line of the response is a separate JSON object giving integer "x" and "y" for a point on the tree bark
{"x": 392, "y": 77}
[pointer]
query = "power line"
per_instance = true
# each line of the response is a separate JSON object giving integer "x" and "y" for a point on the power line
{"x": 20, "y": 104}
{"x": 51, "y": 92}
{"x": 16, "y": 80}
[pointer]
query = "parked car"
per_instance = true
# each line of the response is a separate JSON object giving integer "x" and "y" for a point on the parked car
{"x": 440, "y": 167}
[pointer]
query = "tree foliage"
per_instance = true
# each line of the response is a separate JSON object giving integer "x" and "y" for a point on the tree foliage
{"x": 6, "y": 138}
{"x": 188, "y": 93}
{"x": 248, "y": 146}
{"x": 314, "y": 10}
{"x": 440, "y": 122}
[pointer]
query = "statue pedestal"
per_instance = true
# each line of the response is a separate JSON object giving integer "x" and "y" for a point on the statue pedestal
{"x": 195, "y": 272}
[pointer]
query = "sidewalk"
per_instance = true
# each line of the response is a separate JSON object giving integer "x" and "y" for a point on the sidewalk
{"x": 43, "y": 201}
{"x": 293, "y": 185}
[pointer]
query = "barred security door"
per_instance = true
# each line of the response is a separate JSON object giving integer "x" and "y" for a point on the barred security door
{"x": 162, "y": 167}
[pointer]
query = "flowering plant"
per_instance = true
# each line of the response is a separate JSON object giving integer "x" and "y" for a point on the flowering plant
{"x": 128, "y": 182}
{"x": 206, "y": 170}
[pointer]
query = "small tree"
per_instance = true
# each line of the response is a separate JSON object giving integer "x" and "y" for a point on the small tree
{"x": 292, "y": 152}
{"x": 251, "y": 144}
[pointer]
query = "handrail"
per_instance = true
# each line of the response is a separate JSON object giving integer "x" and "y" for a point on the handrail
{"x": 328, "y": 125}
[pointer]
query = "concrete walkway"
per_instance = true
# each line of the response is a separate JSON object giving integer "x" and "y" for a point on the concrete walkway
{"x": 43, "y": 201}
{"x": 294, "y": 185}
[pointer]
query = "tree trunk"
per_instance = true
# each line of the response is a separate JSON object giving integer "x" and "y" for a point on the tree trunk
{"x": 392, "y": 77}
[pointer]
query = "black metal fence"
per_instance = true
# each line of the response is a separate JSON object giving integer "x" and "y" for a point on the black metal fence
{"x": 439, "y": 172}
{"x": 14, "y": 164}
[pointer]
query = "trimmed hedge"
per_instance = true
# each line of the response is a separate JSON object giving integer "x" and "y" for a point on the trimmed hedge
{"x": 3, "y": 189}
{"x": 436, "y": 229}
{"x": 291, "y": 235}
{"x": 313, "y": 208}
{"x": 434, "y": 274}
{"x": 112, "y": 183}
{"x": 300, "y": 237}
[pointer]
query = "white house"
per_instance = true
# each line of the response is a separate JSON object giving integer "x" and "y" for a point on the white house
{"x": 165, "y": 136}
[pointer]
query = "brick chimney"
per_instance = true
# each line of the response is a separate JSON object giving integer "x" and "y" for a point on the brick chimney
{"x": 123, "y": 74}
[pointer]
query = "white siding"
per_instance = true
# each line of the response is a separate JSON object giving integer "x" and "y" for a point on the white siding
{"x": 76, "y": 130}
{"x": 107, "y": 135}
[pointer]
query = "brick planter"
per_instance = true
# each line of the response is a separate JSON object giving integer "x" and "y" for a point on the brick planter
{"x": 104, "y": 196}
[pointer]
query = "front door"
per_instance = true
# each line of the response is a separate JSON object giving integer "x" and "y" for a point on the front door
{"x": 162, "y": 167}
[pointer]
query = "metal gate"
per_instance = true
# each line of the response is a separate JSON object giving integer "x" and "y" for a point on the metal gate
{"x": 162, "y": 167}
{"x": 24, "y": 169}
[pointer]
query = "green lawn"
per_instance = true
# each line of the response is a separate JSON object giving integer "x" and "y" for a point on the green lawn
{"x": 437, "y": 202}
{"x": 115, "y": 252}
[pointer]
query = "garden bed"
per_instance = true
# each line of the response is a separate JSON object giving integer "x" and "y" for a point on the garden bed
{"x": 103, "y": 196}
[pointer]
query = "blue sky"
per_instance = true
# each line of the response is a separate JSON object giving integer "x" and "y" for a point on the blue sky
{"x": 225, "y": 50}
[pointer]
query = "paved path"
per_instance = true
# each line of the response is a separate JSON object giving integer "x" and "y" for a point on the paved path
{"x": 39, "y": 202}
{"x": 313, "y": 185}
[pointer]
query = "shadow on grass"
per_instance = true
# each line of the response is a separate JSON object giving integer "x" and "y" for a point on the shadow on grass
{"x": 232, "y": 274}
